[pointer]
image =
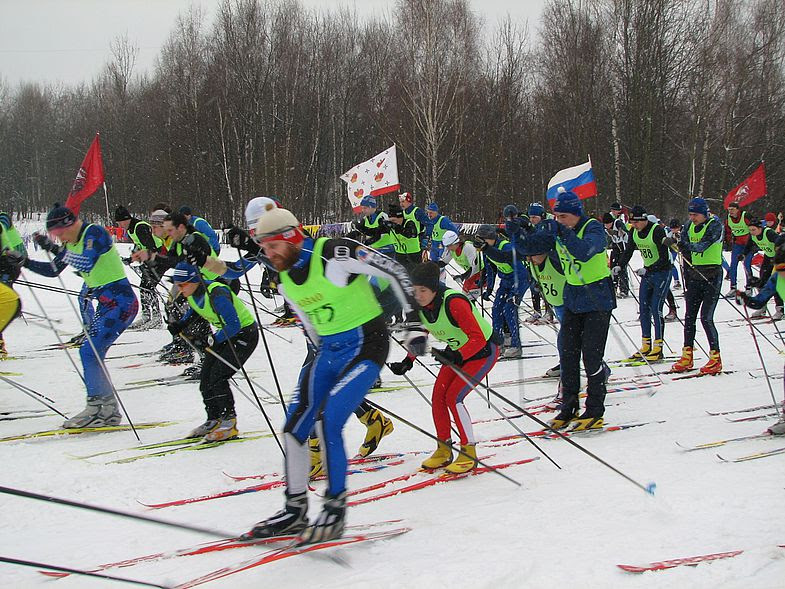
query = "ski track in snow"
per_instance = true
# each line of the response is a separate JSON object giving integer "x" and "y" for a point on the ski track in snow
{"x": 566, "y": 527}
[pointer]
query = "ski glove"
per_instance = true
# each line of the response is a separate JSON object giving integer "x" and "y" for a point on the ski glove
{"x": 240, "y": 239}
{"x": 195, "y": 252}
{"x": 14, "y": 258}
{"x": 401, "y": 368}
{"x": 174, "y": 329}
{"x": 416, "y": 341}
{"x": 671, "y": 243}
{"x": 641, "y": 272}
{"x": 486, "y": 295}
{"x": 480, "y": 244}
{"x": 615, "y": 271}
{"x": 46, "y": 244}
{"x": 448, "y": 356}
{"x": 741, "y": 297}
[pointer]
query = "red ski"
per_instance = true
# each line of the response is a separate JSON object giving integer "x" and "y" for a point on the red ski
{"x": 677, "y": 562}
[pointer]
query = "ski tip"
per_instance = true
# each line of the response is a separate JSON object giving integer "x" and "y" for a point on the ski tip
{"x": 650, "y": 488}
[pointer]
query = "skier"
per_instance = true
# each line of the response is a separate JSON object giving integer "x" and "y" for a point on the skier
{"x": 141, "y": 233}
{"x": 513, "y": 283}
{"x": 701, "y": 245}
{"x": 233, "y": 342}
{"x": 405, "y": 233}
{"x": 420, "y": 220}
{"x": 325, "y": 281}
{"x": 437, "y": 226}
{"x": 203, "y": 227}
{"x": 766, "y": 240}
{"x": 540, "y": 221}
{"x": 618, "y": 233}
{"x": 468, "y": 258}
{"x": 774, "y": 286}
{"x": 375, "y": 227}
{"x": 588, "y": 304}
{"x": 655, "y": 277}
{"x": 737, "y": 234}
{"x": 89, "y": 249}
{"x": 471, "y": 346}
{"x": 10, "y": 241}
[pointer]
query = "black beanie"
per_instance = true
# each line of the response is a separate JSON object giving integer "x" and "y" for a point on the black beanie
{"x": 426, "y": 275}
{"x": 608, "y": 218}
{"x": 121, "y": 214}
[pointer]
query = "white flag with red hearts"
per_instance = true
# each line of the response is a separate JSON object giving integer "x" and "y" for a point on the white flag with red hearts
{"x": 372, "y": 177}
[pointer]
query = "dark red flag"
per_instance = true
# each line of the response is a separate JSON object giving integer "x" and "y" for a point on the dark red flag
{"x": 750, "y": 190}
{"x": 88, "y": 179}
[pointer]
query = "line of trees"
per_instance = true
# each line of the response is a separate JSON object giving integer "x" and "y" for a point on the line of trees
{"x": 672, "y": 99}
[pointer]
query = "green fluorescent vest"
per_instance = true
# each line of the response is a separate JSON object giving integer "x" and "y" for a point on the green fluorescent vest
{"x": 209, "y": 313}
{"x": 551, "y": 282}
{"x": 446, "y": 331}
{"x": 386, "y": 239}
{"x": 411, "y": 245}
{"x": 463, "y": 261}
{"x": 711, "y": 256}
{"x": 438, "y": 231}
{"x": 764, "y": 243}
{"x": 739, "y": 228}
{"x": 108, "y": 268}
{"x": 331, "y": 309}
{"x": 579, "y": 273}
{"x": 501, "y": 267}
{"x": 132, "y": 234}
{"x": 646, "y": 246}
{"x": 780, "y": 286}
{"x": 10, "y": 239}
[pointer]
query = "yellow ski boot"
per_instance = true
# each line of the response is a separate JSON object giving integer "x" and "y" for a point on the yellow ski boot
{"x": 379, "y": 425}
{"x": 463, "y": 463}
{"x": 441, "y": 457}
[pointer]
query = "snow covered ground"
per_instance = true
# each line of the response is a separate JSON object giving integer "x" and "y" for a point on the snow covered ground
{"x": 560, "y": 528}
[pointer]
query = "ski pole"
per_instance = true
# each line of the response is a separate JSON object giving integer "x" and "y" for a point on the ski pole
{"x": 264, "y": 339}
{"x": 425, "y": 433}
{"x": 469, "y": 380}
{"x": 117, "y": 512}
{"x": 55, "y": 330}
{"x": 762, "y": 363}
{"x": 72, "y": 571}
{"x": 91, "y": 343}
{"x": 47, "y": 287}
{"x": 32, "y": 394}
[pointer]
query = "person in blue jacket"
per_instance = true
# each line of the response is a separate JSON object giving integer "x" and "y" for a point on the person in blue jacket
{"x": 203, "y": 227}
{"x": 513, "y": 282}
{"x": 588, "y": 302}
{"x": 437, "y": 227}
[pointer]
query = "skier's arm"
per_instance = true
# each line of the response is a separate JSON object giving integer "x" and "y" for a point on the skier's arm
{"x": 503, "y": 255}
{"x": 769, "y": 290}
{"x": 222, "y": 304}
{"x": 204, "y": 228}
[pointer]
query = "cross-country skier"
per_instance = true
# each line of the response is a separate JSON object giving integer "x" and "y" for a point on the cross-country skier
{"x": 203, "y": 227}
{"x": 233, "y": 342}
{"x": 737, "y": 234}
{"x": 701, "y": 245}
{"x": 89, "y": 250}
{"x": 766, "y": 240}
{"x": 438, "y": 225}
{"x": 468, "y": 258}
{"x": 325, "y": 281}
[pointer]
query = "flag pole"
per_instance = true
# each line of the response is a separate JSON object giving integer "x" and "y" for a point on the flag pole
{"x": 106, "y": 200}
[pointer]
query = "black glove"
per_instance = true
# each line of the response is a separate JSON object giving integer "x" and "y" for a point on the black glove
{"x": 126, "y": 261}
{"x": 670, "y": 242}
{"x": 42, "y": 241}
{"x": 14, "y": 258}
{"x": 195, "y": 251}
{"x": 448, "y": 356}
{"x": 486, "y": 295}
{"x": 174, "y": 329}
{"x": 480, "y": 244}
{"x": 416, "y": 340}
{"x": 741, "y": 297}
{"x": 465, "y": 276}
{"x": 401, "y": 368}
{"x": 239, "y": 238}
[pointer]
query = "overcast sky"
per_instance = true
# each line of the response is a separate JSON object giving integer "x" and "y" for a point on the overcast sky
{"x": 68, "y": 40}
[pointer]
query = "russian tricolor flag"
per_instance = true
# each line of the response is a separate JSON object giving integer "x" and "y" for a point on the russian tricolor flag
{"x": 578, "y": 179}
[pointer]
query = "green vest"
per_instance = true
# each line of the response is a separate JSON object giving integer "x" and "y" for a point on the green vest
{"x": 411, "y": 245}
{"x": 551, "y": 282}
{"x": 780, "y": 284}
{"x": 711, "y": 256}
{"x": 444, "y": 330}
{"x": 646, "y": 246}
{"x": 331, "y": 309}
{"x": 764, "y": 243}
{"x": 206, "y": 274}
{"x": 501, "y": 267}
{"x": 739, "y": 228}
{"x": 386, "y": 239}
{"x": 209, "y": 313}
{"x": 10, "y": 239}
{"x": 463, "y": 261}
{"x": 132, "y": 234}
{"x": 579, "y": 273}
{"x": 108, "y": 268}
{"x": 438, "y": 231}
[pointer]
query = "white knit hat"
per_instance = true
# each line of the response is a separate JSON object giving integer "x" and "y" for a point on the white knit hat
{"x": 449, "y": 238}
{"x": 275, "y": 220}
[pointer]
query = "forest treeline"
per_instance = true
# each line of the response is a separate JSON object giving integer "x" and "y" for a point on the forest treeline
{"x": 671, "y": 98}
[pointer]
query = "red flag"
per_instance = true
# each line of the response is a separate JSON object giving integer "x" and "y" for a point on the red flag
{"x": 89, "y": 177}
{"x": 751, "y": 189}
